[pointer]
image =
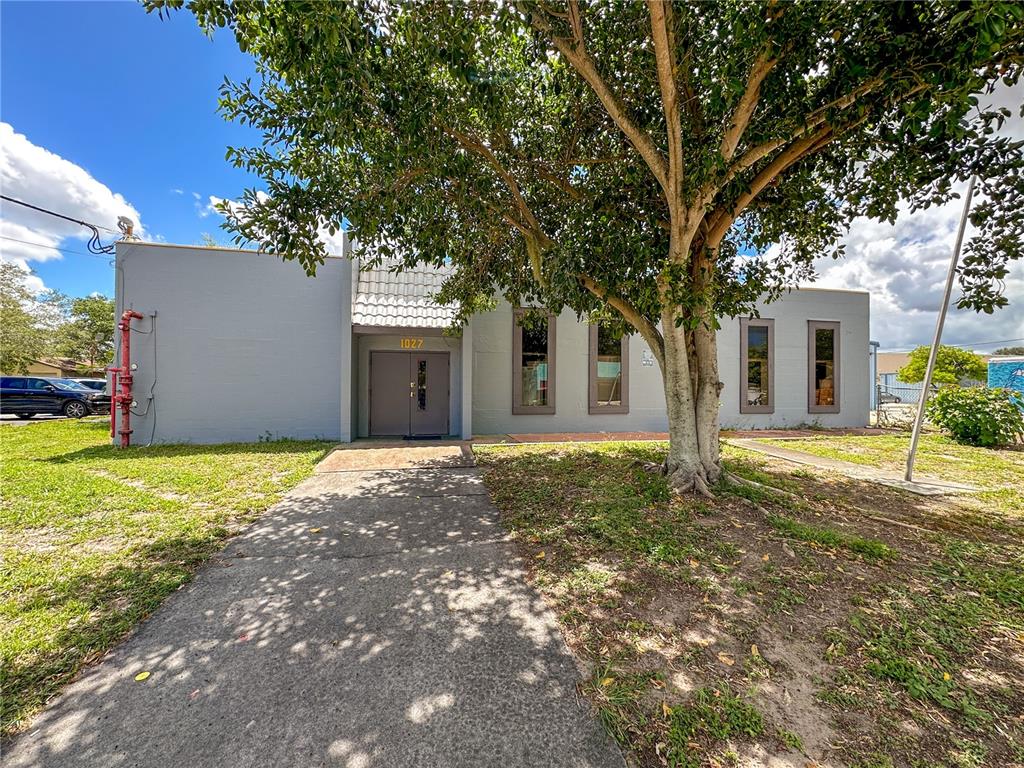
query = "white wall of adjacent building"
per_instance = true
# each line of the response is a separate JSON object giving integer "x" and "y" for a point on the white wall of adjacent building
{"x": 246, "y": 346}
{"x": 243, "y": 346}
{"x": 493, "y": 371}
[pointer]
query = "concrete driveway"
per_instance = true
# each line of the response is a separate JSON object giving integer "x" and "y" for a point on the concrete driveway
{"x": 13, "y": 420}
{"x": 373, "y": 618}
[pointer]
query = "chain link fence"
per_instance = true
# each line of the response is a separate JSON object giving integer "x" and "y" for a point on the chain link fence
{"x": 899, "y": 393}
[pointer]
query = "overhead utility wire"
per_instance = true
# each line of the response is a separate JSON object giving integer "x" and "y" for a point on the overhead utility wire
{"x": 985, "y": 343}
{"x": 965, "y": 344}
{"x": 51, "y": 247}
{"x": 94, "y": 245}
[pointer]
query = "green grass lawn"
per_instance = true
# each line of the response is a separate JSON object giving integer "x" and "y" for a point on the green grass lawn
{"x": 829, "y": 621}
{"x": 999, "y": 472}
{"x": 95, "y": 537}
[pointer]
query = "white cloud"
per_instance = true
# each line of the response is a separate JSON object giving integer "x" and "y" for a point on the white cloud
{"x": 40, "y": 177}
{"x": 333, "y": 243}
{"x": 209, "y": 207}
{"x": 904, "y": 267}
{"x": 33, "y": 282}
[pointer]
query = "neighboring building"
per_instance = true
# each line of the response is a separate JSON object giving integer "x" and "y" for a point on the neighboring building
{"x": 62, "y": 367}
{"x": 890, "y": 362}
{"x": 1006, "y": 371}
{"x": 891, "y": 388}
{"x": 239, "y": 345}
{"x": 873, "y": 374}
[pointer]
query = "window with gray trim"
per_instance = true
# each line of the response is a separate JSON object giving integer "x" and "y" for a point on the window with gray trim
{"x": 757, "y": 365}
{"x": 533, "y": 362}
{"x": 822, "y": 367}
{"x": 609, "y": 370}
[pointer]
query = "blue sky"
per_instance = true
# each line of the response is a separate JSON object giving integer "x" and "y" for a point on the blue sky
{"x": 132, "y": 100}
{"x": 106, "y": 111}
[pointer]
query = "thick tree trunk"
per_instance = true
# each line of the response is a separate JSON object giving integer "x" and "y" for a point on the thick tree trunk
{"x": 691, "y": 398}
{"x": 709, "y": 389}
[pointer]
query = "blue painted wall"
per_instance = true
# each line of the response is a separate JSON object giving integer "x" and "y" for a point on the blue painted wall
{"x": 1007, "y": 373}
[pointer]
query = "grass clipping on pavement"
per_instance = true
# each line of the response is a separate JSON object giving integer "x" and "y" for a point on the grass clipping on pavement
{"x": 830, "y": 622}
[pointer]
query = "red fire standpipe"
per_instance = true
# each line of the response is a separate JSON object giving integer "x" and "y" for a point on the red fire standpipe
{"x": 122, "y": 375}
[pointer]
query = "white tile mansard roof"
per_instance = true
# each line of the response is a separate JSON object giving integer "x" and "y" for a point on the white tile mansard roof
{"x": 401, "y": 299}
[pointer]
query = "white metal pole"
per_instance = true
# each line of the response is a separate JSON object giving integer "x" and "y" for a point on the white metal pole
{"x": 926, "y": 384}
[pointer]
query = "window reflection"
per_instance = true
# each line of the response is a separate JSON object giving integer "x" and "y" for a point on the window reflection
{"x": 758, "y": 380}
{"x": 421, "y": 385}
{"x": 824, "y": 366}
{"x": 535, "y": 363}
{"x": 609, "y": 366}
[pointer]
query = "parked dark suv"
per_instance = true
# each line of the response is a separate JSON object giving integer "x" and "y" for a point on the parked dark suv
{"x": 29, "y": 395}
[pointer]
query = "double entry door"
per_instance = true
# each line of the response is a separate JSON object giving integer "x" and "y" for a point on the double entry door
{"x": 408, "y": 394}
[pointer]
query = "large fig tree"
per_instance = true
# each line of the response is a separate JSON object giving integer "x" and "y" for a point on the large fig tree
{"x": 632, "y": 159}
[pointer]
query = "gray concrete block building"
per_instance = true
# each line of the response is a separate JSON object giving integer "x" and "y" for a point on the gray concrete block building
{"x": 240, "y": 346}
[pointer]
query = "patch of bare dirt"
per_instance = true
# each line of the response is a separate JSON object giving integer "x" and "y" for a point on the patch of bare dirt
{"x": 763, "y": 613}
{"x": 137, "y": 484}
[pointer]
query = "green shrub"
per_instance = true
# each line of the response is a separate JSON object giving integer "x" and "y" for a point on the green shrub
{"x": 977, "y": 415}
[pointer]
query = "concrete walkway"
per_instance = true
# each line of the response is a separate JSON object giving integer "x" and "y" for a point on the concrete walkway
{"x": 599, "y": 437}
{"x": 922, "y": 486}
{"x": 374, "y": 618}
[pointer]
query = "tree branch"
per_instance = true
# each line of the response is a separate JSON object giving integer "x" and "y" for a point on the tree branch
{"x": 560, "y": 182}
{"x": 632, "y": 315}
{"x": 476, "y": 146}
{"x": 806, "y": 145}
{"x": 721, "y": 223}
{"x": 536, "y": 239}
{"x": 575, "y": 52}
{"x": 691, "y": 100}
{"x": 740, "y": 119}
{"x": 663, "y": 37}
{"x": 811, "y": 121}
{"x": 500, "y": 213}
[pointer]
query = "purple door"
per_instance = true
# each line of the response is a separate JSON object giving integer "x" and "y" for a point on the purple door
{"x": 408, "y": 394}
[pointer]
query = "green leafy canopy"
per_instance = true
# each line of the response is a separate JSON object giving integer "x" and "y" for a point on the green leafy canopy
{"x": 30, "y": 320}
{"x": 88, "y": 333}
{"x": 952, "y": 366}
{"x": 22, "y": 339}
{"x": 34, "y": 324}
{"x": 646, "y": 156}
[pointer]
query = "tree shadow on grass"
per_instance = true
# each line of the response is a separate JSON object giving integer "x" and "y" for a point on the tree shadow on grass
{"x": 276, "y": 447}
{"x": 117, "y": 599}
{"x": 781, "y": 565}
{"x": 372, "y": 619}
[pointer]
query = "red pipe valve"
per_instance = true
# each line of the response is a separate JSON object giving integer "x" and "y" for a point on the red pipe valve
{"x": 122, "y": 376}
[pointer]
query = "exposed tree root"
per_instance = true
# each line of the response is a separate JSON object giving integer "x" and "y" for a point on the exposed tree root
{"x": 651, "y": 467}
{"x": 734, "y": 478}
{"x": 681, "y": 484}
{"x": 691, "y": 482}
{"x": 701, "y": 487}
